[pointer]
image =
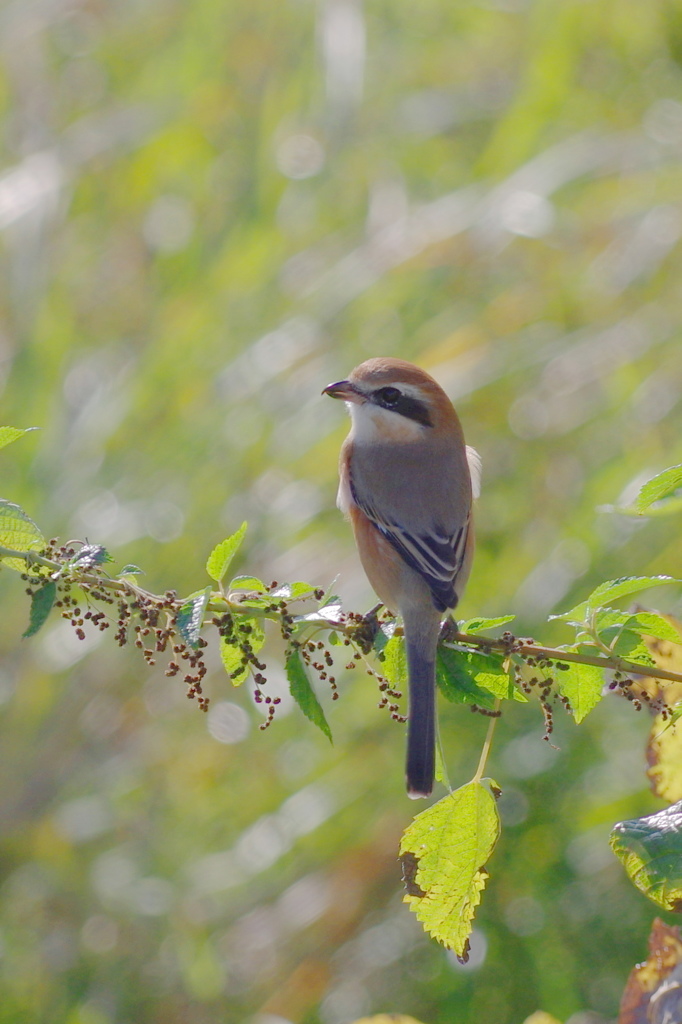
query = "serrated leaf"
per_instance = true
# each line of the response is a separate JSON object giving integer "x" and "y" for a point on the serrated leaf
{"x": 41, "y": 606}
{"x": 650, "y": 850}
{"x": 394, "y": 665}
{"x": 18, "y": 532}
{"x": 651, "y": 624}
{"x": 608, "y": 617}
{"x": 251, "y": 583}
{"x": 480, "y": 624}
{"x": 582, "y": 685}
{"x": 191, "y": 617}
{"x": 91, "y": 555}
{"x": 611, "y": 590}
{"x": 249, "y": 631}
{"x": 219, "y": 560}
{"x": 643, "y": 623}
{"x": 467, "y": 677}
{"x": 254, "y": 601}
{"x": 662, "y": 486}
{"x": 303, "y": 693}
{"x": 329, "y": 613}
{"x": 444, "y": 853}
{"x": 632, "y": 647}
{"x": 10, "y": 434}
{"x": 232, "y": 658}
{"x": 575, "y": 616}
{"x": 329, "y": 596}
{"x": 131, "y": 570}
{"x": 294, "y": 591}
{"x": 254, "y": 634}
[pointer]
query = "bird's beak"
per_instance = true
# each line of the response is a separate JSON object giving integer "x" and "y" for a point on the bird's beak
{"x": 345, "y": 390}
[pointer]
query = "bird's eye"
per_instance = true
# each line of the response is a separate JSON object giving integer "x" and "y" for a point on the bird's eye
{"x": 388, "y": 397}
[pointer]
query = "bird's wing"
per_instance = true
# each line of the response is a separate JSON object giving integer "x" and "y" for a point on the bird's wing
{"x": 475, "y": 469}
{"x": 436, "y": 554}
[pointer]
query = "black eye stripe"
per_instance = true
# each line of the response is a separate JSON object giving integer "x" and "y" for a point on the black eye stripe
{"x": 411, "y": 408}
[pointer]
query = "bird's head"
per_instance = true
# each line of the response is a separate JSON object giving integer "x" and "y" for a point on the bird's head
{"x": 389, "y": 399}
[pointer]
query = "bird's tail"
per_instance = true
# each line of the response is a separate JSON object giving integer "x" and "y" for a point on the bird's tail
{"x": 421, "y": 722}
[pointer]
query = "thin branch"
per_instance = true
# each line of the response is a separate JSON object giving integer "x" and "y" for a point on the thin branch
{"x": 553, "y": 654}
{"x": 351, "y": 627}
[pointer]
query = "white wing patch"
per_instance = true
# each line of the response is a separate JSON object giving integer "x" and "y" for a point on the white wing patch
{"x": 475, "y": 469}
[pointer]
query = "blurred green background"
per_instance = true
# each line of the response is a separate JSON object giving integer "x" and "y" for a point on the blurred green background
{"x": 208, "y": 211}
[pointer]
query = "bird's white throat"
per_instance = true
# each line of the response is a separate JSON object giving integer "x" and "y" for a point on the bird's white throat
{"x": 371, "y": 423}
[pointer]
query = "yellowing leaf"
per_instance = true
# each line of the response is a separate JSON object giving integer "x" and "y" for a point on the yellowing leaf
{"x": 444, "y": 852}
{"x": 540, "y": 1017}
{"x": 648, "y": 979}
{"x": 650, "y": 850}
{"x": 664, "y": 756}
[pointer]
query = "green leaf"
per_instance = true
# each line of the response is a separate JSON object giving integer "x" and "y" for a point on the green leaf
{"x": 223, "y": 553}
{"x": 20, "y": 533}
{"x": 250, "y": 631}
{"x": 131, "y": 570}
{"x": 254, "y": 601}
{"x": 328, "y": 613}
{"x": 191, "y": 616}
{"x": 90, "y": 556}
{"x": 303, "y": 693}
{"x": 575, "y": 616}
{"x": 664, "y": 757}
{"x": 10, "y": 434}
{"x": 382, "y": 636}
{"x": 394, "y": 665}
{"x": 608, "y": 620}
{"x": 662, "y": 486}
{"x": 629, "y": 645}
{"x": 456, "y": 683}
{"x": 466, "y": 677}
{"x": 480, "y": 625}
{"x": 623, "y": 587}
{"x": 582, "y": 685}
{"x": 294, "y": 591}
{"x": 651, "y": 624}
{"x": 251, "y": 583}
{"x": 41, "y": 606}
{"x": 611, "y": 590}
{"x": 444, "y": 852}
{"x": 232, "y": 658}
{"x": 650, "y": 850}
{"x": 254, "y": 634}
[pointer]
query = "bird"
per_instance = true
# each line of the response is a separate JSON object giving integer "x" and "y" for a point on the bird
{"x": 406, "y": 482}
